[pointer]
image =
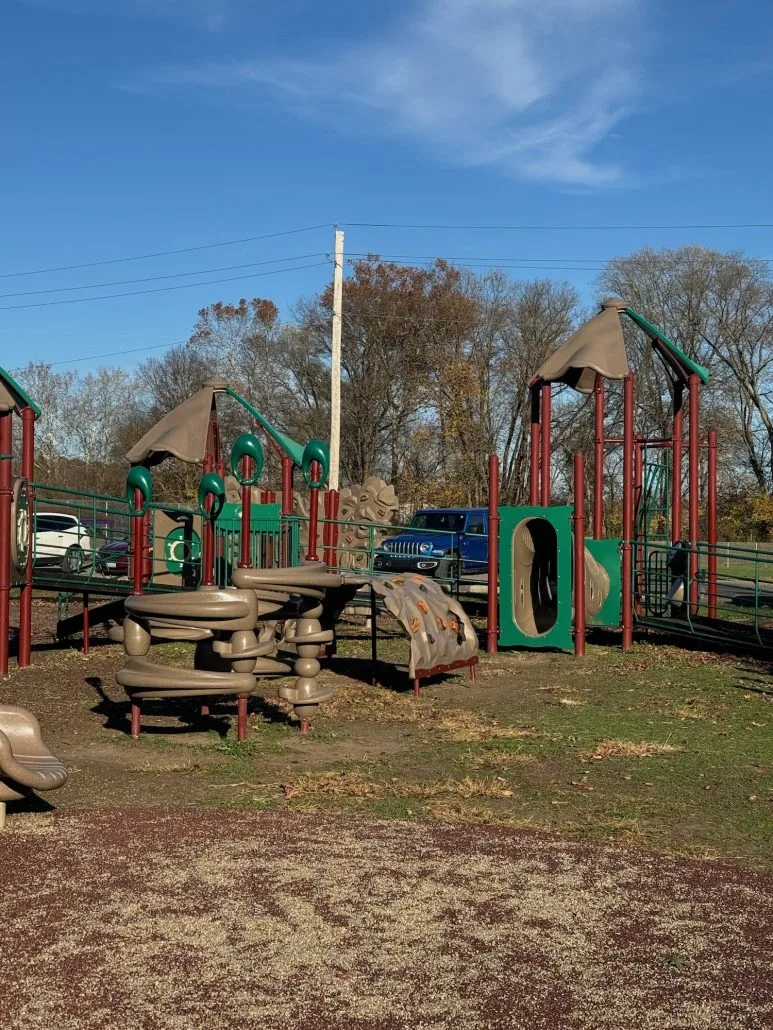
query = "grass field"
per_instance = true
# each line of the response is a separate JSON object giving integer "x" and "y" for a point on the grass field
{"x": 664, "y": 748}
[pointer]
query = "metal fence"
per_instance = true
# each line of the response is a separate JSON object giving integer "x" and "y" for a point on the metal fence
{"x": 724, "y": 592}
{"x": 372, "y": 548}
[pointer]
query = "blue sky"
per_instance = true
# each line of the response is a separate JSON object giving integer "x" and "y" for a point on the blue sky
{"x": 138, "y": 126}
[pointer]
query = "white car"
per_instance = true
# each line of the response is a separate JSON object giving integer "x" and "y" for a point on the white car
{"x": 60, "y": 539}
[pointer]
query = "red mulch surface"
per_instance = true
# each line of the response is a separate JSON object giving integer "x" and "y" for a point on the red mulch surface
{"x": 153, "y": 919}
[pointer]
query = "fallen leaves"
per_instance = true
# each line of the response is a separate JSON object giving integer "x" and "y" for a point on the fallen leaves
{"x": 468, "y": 727}
{"x": 582, "y": 785}
{"x": 358, "y": 785}
{"x": 628, "y": 749}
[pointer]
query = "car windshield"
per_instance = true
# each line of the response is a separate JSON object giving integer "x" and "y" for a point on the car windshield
{"x": 449, "y": 521}
{"x": 54, "y": 523}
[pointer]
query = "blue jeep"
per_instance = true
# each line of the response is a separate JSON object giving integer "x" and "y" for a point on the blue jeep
{"x": 440, "y": 542}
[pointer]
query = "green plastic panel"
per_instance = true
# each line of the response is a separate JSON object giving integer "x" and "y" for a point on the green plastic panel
{"x": 607, "y": 554}
{"x": 264, "y": 517}
{"x": 547, "y": 587}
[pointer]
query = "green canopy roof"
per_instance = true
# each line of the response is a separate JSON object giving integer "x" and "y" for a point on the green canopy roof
{"x": 284, "y": 442}
{"x": 675, "y": 356}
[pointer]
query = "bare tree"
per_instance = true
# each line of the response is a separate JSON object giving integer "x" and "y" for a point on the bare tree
{"x": 541, "y": 315}
{"x": 52, "y": 391}
{"x": 718, "y": 307}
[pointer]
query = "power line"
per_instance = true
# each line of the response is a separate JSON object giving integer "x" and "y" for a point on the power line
{"x": 593, "y": 264}
{"x": 48, "y": 332}
{"x": 111, "y": 354}
{"x": 168, "y": 253}
{"x": 160, "y": 289}
{"x": 158, "y": 278}
{"x": 561, "y": 228}
{"x": 494, "y": 264}
{"x": 476, "y": 261}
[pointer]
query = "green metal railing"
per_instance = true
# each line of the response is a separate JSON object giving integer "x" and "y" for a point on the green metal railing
{"x": 734, "y": 603}
{"x": 71, "y": 557}
{"x": 363, "y": 553}
{"x": 83, "y": 562}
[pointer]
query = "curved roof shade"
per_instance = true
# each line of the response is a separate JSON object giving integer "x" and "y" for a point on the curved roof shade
{"x": 597, "y": 346}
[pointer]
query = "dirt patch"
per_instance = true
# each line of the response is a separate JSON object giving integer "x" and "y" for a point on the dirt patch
{"x": 169, "y": 920}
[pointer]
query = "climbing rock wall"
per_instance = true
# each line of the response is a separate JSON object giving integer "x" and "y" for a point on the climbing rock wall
{"x": 373, "y": 503}
{"x": 438, "y": 628}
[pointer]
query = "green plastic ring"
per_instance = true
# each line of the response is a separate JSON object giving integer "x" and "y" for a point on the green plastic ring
{"x": 138, "y": 478}
{"x": 247, "y": 446}
{"x": 213, "y": 484}
{"x": 315, "y": 450}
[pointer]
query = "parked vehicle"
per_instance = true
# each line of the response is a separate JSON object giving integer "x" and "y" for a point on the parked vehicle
{"x": 61, "y": 539}
{"x": 441, "y": 542}
{"x": 113, "y": 558}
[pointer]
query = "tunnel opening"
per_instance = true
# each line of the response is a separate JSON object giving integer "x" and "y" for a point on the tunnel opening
{"x": 535, "y": 587}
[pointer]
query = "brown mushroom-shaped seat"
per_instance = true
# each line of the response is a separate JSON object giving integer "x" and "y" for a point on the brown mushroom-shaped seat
{"x": 26, "y": 764}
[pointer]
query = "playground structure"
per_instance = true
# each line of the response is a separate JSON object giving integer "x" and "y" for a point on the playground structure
{"x": 556, "y": 581}
{"x": 547, "y": 581}
{"x": 26, "y": 764}
{"x": 442, "y": 637}
{"x": 229, "y": 655}
{"x": 235, "y": 585}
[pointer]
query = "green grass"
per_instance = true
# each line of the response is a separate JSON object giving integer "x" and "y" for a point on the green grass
{"x": 664, "y": 748}
{"x": 712, "y": 795}
{"x": 743, "y": 569}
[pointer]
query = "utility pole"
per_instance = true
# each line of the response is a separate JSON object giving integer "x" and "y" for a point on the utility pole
{"x": 335, "y": 363}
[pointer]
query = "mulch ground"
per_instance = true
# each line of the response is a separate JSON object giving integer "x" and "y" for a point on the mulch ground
{"x": 153, "y": 919}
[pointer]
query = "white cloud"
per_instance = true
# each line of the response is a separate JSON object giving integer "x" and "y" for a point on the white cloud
{"x": 532, "y": 87}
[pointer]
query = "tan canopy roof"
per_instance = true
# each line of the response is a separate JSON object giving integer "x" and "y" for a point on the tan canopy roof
{"x": 597, "y": 346}
{"x": 182, "y": 433}
{"x": 12, "y": 397}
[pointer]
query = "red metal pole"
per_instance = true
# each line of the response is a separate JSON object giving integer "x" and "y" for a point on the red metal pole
{"x": 711, "y": 528}
{"x": 676, "y": 468}
{"x": 492, "y": 604}
{"x": 147, "y": 548}
{"x": 25, "y": 600}
{"x": 208, "y": 530}
{"x": 598, "y": 464}
{"x": 638, "y": 514}
{"x": 208, "y": 550}
{"x": 579, "y": 556}
{"x": 287, "y": 506}
{"x": 6, "y": 494}
{"x": 693, "y": 461}
{"x": 534, "y": 442}
{"x": 244, "y": 555}
{"x": 241, "y": 717}
{"x": 628, "y": 445}
{"x": 545, "y": 445}
{"x": 137, "y": 544}
{"x": 311, "y": 550}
